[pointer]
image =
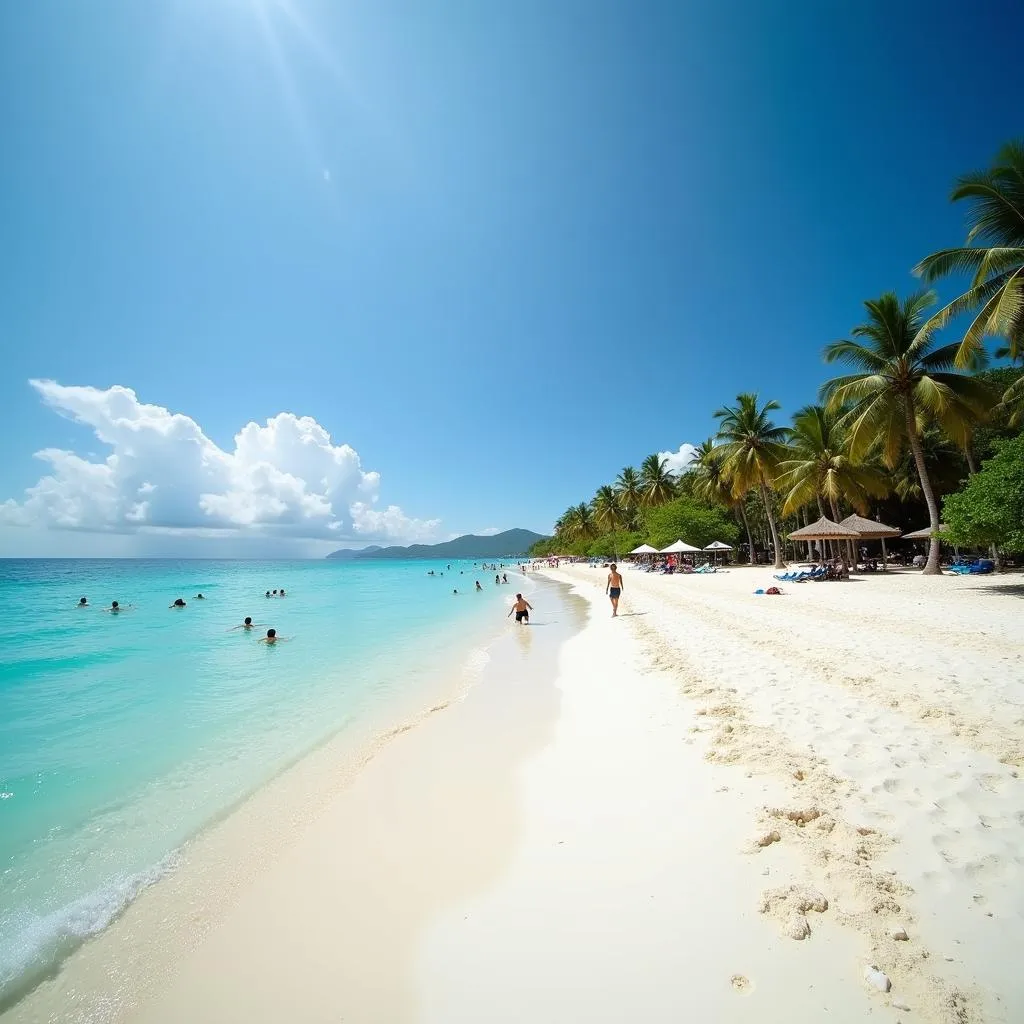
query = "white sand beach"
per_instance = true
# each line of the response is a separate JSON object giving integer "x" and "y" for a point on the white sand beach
{"x": 718, "y": 807}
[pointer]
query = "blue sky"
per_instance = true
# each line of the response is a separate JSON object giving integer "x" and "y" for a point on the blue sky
{"x": 499, "y": 249}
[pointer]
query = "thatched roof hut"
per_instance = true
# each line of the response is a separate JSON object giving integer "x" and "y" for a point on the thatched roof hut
{"x": 824, "y": 529}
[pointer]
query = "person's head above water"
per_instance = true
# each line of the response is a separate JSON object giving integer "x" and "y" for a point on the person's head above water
{"x": 271, "y": 633}
{"x": 248, "y": 620}
{"x": 275, "y": 590}
{"x": 82, "y": 601}
{"x": 114, "y": 604}
{"x": 199, "y": 597}
{"x": 268, "y": 593}
{"x": 179, "y": 602}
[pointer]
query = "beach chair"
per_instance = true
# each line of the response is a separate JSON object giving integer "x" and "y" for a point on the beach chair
{"x": 789, "y": 577}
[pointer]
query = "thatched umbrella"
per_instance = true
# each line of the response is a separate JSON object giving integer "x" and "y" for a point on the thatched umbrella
{"x": 870, "y": 530}
{"x": 824, "y": 529}
{"x": 926, "y": 533}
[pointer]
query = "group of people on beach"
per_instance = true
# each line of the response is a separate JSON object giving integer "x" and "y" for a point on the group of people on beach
{"x": 247, "y": 624}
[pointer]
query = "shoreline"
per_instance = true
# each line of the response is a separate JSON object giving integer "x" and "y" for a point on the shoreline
{"x": 106, "y": 972}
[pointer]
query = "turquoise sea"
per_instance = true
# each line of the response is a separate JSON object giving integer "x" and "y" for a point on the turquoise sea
{"x": 122, "y": 736}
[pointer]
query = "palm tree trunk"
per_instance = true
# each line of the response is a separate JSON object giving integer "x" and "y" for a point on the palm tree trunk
{"x": 931, "y": 567}
{"x": 779, "y": 562}
{"x": 823, "y": 545}
{"x": 836, "y": 516}
{"x": 746, "y": 526}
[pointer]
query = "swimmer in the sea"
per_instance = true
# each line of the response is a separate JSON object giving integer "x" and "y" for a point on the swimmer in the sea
{"x": 115, "y": 608}
{"x": 522, "y": 608}
{"x": 83, "y": 603}
{"x": 478, "y": 587}
{"x": 199, "y": 597}
{"x": 247, "y": 623}
{"x": 273, "y": 638}
{"x": 178, "y": 603}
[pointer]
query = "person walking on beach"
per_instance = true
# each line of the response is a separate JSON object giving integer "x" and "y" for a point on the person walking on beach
{"x": 613, "y": 588}
{"x": 522, "y": 608}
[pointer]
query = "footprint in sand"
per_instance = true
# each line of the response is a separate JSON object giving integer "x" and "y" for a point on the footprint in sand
{"x": 741, "y": 984}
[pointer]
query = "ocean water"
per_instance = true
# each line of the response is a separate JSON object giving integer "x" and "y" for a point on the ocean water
{"x": 122, "y": 736}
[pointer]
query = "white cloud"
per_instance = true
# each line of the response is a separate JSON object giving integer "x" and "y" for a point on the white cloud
{"x": 286, "y": 478}
{"x": 489, "y": 531}
{"x": 680, "y": 460}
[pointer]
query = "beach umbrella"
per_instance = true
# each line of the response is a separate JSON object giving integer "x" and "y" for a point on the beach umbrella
{"x": 869, "y": 529}
{"x": 926, "y": 533}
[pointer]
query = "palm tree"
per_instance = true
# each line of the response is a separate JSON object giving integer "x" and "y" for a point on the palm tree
{"x": 711, "y": 484}
{"x": 752, "y": 448}
{"x": 996, "y": 295}
{"x": 656, "y": 483}
{"x": 630, "y": 494}
{"x": 580, "y": 524}
{"x": 608, "y": 512}
{"x": 902, "y": 383}
{"x": 818, "y": 465}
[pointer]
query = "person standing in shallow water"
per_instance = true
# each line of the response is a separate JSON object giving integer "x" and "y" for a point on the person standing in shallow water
{"x": 522, "y": 608}
{"x": 613, "y": 588}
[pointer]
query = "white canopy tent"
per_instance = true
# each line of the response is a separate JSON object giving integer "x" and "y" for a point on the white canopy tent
{"x": 644, "y": 549}
{"x": 717, "y": 545}
{"x": 678, "y": 548}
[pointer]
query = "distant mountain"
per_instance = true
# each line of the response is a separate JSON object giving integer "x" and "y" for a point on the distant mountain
{"x": 507, "y": 545}
{"x": 345, "y": 553}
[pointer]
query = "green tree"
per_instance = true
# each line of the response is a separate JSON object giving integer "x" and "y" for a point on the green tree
{"x": 696, "y": 522}
{"x": 710, "y": 483}
{"x": 994, "y": 254}
{"x": 656, "y": 483}
{"x": 630, "y": 489}
{"x": 818, "y": 466}
{"x": 990, "y": 508}
{"x": 614, "y": 545}
{"x": 903, "y": 381}
{"x": 608, "y": 513}
{"x": 752, "y": 447}
{"x": 580, "y": 523}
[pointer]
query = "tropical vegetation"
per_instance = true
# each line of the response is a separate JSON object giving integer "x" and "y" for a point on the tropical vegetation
{"x": 990, "y": 509}
{"x": 899, "y": 435}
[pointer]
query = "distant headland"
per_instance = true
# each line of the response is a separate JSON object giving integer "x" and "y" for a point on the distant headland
{"x": 499, "y": 545}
